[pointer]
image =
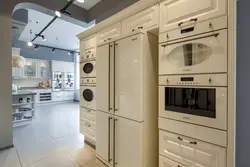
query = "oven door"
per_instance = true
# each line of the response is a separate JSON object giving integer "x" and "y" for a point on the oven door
{"x": 88, "y": 97}
{"x": 205, "y": 106}
{"x": 88, "y": 69}
{"x": 206, "y": 53}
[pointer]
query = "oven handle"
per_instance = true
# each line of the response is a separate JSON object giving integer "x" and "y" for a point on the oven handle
{"x": 190, "y": 142}
{"x": 191, "y": 20}
{"x": 212, "y": 35}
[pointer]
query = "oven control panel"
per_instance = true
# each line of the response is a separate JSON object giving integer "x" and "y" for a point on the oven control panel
{"x": 194, "y": 80}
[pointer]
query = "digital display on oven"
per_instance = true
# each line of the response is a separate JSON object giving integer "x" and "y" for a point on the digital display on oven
{"x": 187, "y": 79}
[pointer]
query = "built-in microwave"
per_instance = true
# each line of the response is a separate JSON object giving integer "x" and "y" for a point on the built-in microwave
{"x": 198, "y": 99}
{"x": 204, "y": 53}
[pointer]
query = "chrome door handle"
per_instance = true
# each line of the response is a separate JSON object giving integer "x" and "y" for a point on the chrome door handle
{"x": 115, "y": 120}
{"x": 109, "y": 120}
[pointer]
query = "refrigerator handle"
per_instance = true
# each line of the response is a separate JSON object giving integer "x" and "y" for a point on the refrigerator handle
{"x": 115, "y": 120}
{"x": 109, "y": 159}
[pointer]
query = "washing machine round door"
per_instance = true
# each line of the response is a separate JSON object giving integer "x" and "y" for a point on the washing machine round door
{"x": 88, "y": 95}
{"x": 88, "y": 68}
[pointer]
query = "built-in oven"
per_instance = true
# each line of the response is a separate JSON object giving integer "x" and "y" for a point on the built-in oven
{"x": 197, "y": 99}
{"x": 88, "y": 69}
{"x": 88, "y": 96}
{"x": 204, "y": 53}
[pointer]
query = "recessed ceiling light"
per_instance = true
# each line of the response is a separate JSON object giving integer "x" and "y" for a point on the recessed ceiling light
{"x": 58, "y": 14}
{"x": 30, "y": 44}
{"x": 81, "y": 1}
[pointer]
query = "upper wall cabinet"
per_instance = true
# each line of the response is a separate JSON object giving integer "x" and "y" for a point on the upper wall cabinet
{"x": 30, "y": 68}
{"x": 144, "y": 20}
{"x": 88, "y": 43}
{"x": 178, "y": 13}
{"x": 110, "y": 33}
{"x": 44, "y": 68}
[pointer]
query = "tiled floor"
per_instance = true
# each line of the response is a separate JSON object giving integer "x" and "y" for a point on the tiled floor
{"x": 53, "y": 140}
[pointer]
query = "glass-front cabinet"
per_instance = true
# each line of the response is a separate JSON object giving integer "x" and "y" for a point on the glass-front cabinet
{"x": 44, "y": 69}
{"x": 30, "y": 69}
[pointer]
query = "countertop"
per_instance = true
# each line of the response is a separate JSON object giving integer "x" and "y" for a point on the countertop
{"x": 22, "y": 92}
{"x": 23, "y": 88}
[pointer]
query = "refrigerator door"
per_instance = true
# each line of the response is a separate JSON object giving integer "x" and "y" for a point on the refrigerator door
{"x": 128, "y": 143}
{"x": 129, "y": 77}
{"x": 104, "y": 133}
{"x": 104, "y": 82}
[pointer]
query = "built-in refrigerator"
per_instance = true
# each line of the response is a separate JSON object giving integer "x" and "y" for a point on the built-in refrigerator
{"x": 126, "y": 95}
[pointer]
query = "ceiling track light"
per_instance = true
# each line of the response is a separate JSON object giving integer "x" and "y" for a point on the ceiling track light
{"x": 80, "y": 1}
{"x": 53, "y": 50}
{"x": 36, "y": 47}
{"x": 58, "y": 13}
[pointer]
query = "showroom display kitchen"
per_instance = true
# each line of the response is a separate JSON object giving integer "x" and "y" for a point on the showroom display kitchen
{"x": 193, "y": 78}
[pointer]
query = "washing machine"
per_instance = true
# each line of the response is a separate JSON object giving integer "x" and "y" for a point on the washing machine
{"x": 88, "y": 69}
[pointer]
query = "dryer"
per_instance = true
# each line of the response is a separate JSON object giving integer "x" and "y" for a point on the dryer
{"x": 88, "y": 96}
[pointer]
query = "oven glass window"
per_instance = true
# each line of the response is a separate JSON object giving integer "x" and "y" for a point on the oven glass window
{"x": 195, "y": 101}
{"x": 88, "y": 68}
{"x": 88, "y": 95}
{"x": 189, "y": 54}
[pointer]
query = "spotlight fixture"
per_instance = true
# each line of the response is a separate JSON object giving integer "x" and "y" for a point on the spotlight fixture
{"x": 30, "y": 44}
{"x": 43, "y": 37}
{"x": 69, "y": 53}
{"x": 58, "y": 14}
{"x": 53, "y": 50}
{"x": 36, "y": 47}
{"x": 80, "y": 1}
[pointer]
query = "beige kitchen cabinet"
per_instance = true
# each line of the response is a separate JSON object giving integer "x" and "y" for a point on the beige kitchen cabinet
{"x": 175, "y": 14}
{"x": 165, "y": 162}
{"x": 87, "y": 43}
{"x": 144, "y": 20}
{"x": 17, "y": 73}
{"x": 88, "y": 54}
{"x": 191, "y": 152}
{"x": 109, "y": 34}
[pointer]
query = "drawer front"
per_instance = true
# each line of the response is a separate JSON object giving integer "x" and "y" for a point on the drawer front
{"x": 205, "y": 53}
{"x": 195, "y": 29}
{"x": 179, "y": 13}
{"x": 87, "y": 81}
{"x": 143, "y": 20}
{"x": 88, "y": 43}
{"x": 110, "y": 33}
{"x": 89, "y": 115}
{"x": 87, "y": 55}
{"x": 165, "y": 162}
{"x": 88, "y": 69}
{"x": 87, "y": 128}
{"x": 191, "y": 152}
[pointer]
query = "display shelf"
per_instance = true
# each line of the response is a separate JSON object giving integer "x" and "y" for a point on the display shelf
{"x": 20, "y": 104}
{"x": 22, "y": 120}
{"x": 22, "y": 112}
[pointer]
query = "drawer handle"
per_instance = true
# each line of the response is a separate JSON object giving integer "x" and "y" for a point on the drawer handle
{"x": 88, "y": 125}
{"x": 190, "y": 142}
{"x": 88, "y": 110}
{"x": 109, "y": 38}
{"x": 191, "y": 20}
{"x": 141, "y": 27}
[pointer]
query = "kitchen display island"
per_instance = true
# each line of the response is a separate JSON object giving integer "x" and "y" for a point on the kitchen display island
{"x": 23, "y": 107}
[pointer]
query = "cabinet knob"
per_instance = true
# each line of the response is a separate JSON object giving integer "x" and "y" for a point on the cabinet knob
{"x": 210, "y": 25}
{"x": 167, "y": 80}
{"x": 110, "y": 109}
{"x": 133, "y": 30}
{"x": 167, "y": 36}
{"x": 210, "y": 80}
{"x": 116, "y": 109}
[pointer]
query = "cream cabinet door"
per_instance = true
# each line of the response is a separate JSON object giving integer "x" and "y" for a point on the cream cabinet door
{"x": 104, "y": 78}
{"x": 191, "y": 152}
{"x": 110, "y": 33}
{"x": 104, "y": 133}
{"x": 177, "y": 13}
{"x": 165, "y": 162}
{"x": 143, "y": 20}
{"x": 128, "y": 143}
{"x": 129, "y": 77}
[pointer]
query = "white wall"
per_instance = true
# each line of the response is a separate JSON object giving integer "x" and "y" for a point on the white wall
{"x": 6, "y": 79}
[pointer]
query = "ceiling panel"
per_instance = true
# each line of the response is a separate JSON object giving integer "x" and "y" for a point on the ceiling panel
{"x": 60, "y": 34}
{"x": 87, "y": 4}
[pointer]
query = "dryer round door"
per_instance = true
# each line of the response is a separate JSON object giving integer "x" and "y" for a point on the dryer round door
{"x": 88, "y": 95}
{"x": 88, "y": 68}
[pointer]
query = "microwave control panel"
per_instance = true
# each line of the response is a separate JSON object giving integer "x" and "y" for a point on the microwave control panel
{"x": 194, "y": 80}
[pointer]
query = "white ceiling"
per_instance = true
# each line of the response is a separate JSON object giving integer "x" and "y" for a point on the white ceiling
{"x": 60, "y": 34}
{"x": 87, "y": 4}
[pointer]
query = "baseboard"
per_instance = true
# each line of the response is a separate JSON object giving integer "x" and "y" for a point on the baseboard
{"x": 8, "y": 147}
{"x": 90, "y": 144}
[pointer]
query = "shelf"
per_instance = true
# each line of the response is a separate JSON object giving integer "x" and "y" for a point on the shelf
{"x": 20, "y": 104}
{"x": 22, "y": 112}
{"x": 22, "y": 120}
